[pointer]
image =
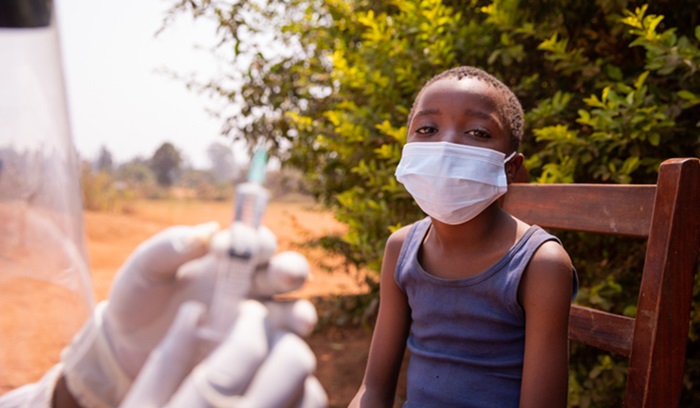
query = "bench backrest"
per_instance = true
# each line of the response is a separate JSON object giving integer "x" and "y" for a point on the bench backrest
{"x": 667, "y": 214}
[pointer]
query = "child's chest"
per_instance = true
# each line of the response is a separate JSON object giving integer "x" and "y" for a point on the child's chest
{"x": 458, "y": 264}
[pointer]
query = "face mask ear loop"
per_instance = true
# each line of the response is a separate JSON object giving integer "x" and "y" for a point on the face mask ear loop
{"x": 505, "y": 161}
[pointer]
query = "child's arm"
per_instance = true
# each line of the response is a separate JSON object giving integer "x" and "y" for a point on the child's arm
{"x": 389, "y": 338}
{"x": 545, "y": 294}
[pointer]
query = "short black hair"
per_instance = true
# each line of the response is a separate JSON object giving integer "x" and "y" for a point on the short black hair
{"x": 511, "y": 112}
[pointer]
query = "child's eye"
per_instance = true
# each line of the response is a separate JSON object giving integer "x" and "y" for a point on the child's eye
{"x": 425, "y": 130}
{"x": 478, "y": 133}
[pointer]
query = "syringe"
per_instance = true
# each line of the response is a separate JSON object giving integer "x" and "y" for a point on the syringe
{"x": 235, "y": 270}
{"x": 251, "y": 197}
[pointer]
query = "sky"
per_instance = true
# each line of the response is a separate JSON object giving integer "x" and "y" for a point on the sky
{"x": 116, "y": 96}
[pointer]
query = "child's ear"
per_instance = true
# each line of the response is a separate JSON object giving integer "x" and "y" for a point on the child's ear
{"x": 516, "y": 171}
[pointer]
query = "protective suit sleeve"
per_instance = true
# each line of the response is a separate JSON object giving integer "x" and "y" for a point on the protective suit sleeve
{"x": 35, "y": 395}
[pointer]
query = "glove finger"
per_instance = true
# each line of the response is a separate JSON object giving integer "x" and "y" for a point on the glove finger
{"x": 296, "y": 316}
{"x": 280, "y": 380}
{"x": 224, "y": 375}
{"x": 268, "y": 244}
{"x": 141, "y": 298}
{"x": 287, "y": 271}
{"x": 158, "y": 258}
{"x": 170, "y": 362}
{"x": 314, "y": 394}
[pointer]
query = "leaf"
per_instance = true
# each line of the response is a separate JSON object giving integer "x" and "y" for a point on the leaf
{"x": 687, "y": 95}
{"x": 654, "y": 139}
{"x": 641, "y": 79}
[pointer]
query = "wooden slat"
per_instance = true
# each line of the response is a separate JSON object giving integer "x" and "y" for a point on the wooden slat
{"x": 666, "y": 291}
{"x": 616, "y": 209}
{"x": 606, "y": 331}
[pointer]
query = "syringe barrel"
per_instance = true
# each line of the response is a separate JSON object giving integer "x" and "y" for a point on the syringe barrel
{"x": 251, "y": 202}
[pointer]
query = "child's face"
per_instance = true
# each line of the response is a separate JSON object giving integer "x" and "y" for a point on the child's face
{"x": 460, "y": 111}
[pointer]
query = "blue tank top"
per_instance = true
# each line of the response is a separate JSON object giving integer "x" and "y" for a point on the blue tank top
{"x": 467, "y": 338}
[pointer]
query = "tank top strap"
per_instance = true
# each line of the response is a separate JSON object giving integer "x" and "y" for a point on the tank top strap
{"x": 521, "y": 254}
{"x": 410, "y": 247}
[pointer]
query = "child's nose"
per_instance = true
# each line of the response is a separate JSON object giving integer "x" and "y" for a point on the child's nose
{"x": 452, "y": 136}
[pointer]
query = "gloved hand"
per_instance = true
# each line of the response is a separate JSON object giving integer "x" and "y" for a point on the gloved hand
{"x": 262, "y": 363}
{"x": 175, "y": 267}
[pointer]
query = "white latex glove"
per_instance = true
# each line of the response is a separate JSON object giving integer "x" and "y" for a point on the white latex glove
{"x": 168, "y": 270}
{"x": 262, "y": 363}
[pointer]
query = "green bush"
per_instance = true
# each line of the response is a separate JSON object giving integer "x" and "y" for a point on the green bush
{"x": 100, "y": 193}
{"x": 136, "y": 176}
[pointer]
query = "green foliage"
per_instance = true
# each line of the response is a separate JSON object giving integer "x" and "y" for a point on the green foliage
{"x": 165, "y": 163}
{"x": 287, "y": 182}
{"x": 104, "y": 161}
{"x": 205, "y": 185}
{"x": 137, "y": 176}
{"x": 115, "y": 190}
{"x": 610, "y": 88}
{"x": 599, "y": 387}
{"x": 100, "y": 193}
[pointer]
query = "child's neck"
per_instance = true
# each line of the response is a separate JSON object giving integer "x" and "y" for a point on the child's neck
{"x": 491, "y": 225}
{"x": 460, "y": 251}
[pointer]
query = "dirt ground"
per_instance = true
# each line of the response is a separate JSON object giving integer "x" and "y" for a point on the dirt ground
{"x": 341, "y": 352}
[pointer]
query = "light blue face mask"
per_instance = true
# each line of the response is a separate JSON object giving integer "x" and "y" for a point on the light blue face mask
{"x": 450, "y": 182}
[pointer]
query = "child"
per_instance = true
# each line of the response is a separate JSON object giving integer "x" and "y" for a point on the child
{"x": 480, "y": 298}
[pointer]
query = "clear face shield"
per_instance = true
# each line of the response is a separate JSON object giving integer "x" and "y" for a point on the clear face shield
{"x": 45, "y": 289}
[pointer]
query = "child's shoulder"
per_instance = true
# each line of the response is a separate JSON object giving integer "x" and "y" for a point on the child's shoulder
{"x": 551, "y": 254}
{"x": 397, "y": 238}
{"x": 549, "y": 270}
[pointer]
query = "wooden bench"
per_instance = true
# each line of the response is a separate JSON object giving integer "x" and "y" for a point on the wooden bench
{"x": 667, "y": 214}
